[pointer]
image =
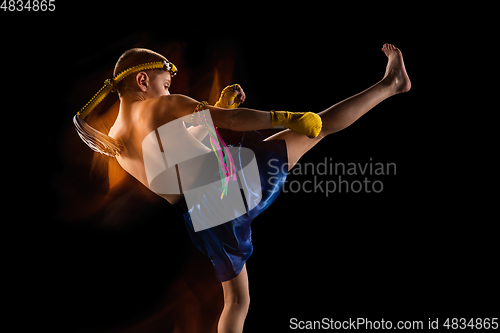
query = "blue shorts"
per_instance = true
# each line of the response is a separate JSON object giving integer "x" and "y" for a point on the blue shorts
{"x": 229, "y": 245}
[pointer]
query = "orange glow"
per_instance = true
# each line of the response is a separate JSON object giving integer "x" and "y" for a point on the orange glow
{"x": 185, "y": 310}
{"x": 193, "y": 302}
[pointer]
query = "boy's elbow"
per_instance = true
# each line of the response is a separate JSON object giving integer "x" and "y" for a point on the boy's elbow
{"x": 234, "y": 121}
{"x": 227, "y": 118}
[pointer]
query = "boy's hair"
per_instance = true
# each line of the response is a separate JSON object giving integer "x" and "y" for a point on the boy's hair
{"x": 130, "y": 58}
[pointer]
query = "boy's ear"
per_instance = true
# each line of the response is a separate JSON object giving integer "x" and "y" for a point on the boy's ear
{"x": 142, "y": 81}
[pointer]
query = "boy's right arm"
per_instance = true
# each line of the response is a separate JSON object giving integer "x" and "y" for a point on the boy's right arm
{"x": 241, "y": 119}
{"x": 168, "y": 108}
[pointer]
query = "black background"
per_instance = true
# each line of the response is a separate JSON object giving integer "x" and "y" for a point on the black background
{"x": 84, "y": 260}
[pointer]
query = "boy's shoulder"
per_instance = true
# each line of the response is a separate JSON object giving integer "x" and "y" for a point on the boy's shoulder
{"x": 166, "y": 108}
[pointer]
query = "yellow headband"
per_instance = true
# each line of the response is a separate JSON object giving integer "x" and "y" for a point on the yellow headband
{"x": 110, "y": 84}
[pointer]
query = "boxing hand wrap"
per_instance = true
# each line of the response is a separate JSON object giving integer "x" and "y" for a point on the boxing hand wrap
{"x": 229, "y": 95}
{"x": 306, "y": 123}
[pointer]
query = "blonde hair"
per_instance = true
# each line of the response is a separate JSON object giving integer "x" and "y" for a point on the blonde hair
{"x": 132, "y": 58}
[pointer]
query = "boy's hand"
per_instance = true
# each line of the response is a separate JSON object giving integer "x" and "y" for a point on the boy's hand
{"x": 231, "y": 97}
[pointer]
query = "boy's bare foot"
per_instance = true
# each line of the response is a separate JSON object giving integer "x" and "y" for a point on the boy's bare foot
{"x": 395, "y": 73}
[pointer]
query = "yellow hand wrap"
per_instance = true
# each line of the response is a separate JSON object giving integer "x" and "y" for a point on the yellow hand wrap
{"x": 306, "y": 123}
{"x": 229, "y": 95}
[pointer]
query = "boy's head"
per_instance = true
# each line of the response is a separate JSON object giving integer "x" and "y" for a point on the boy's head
{"x": 128, "y": 78}
{"x": 151, "y": 83}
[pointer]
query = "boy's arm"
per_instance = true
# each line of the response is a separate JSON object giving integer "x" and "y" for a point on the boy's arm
{"x": 240, "y": 119}
{"x": 176, "y": 106}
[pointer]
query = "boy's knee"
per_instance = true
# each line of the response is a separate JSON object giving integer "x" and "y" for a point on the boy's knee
{"x": 241, "y": 300}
